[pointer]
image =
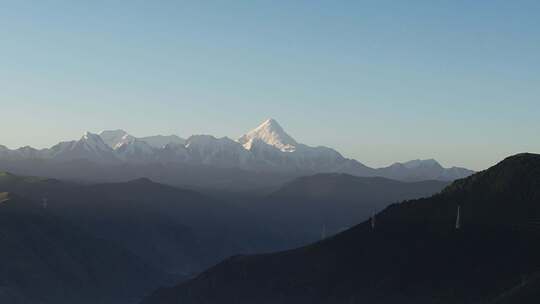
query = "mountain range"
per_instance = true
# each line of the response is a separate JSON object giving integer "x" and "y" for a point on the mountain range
{"x": 176, "y": 231}
{"x": 70, "y": 234}
{"x": 475, "y": 242}
{"x": 267, "y": 150}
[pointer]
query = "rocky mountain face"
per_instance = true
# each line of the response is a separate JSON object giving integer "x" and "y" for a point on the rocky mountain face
{"x": 475, "y": 242}
{"x": 267, "y": 148}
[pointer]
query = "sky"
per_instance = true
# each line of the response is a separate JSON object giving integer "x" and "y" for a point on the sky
{"x": 380, "y": 81}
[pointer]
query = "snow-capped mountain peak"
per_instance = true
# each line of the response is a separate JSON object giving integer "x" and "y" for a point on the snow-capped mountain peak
{"x": 267, "y": 148}
{"x": 272, "y": 134}
{"x": 125, "y": 140}
{"x": 93, "y": 142}
{"x": 115, "y": 138}
{"x": 135, "y": 150}
{"x": 160, "y": 141}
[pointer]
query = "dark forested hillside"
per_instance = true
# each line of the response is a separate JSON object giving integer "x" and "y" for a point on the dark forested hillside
{"x": 418, "y": 252}
{"x": 47, "y": 260}
{"x": 178, "y": 231}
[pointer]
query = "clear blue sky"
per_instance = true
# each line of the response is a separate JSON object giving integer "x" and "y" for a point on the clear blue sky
{"x": 381, "y": 81}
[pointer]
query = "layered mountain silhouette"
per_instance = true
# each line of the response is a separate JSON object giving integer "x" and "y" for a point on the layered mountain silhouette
{"x": 163, "y": 233}
{"x": 177, "y": 231}
{"x": 46, "y": 259}
{"x": 264, "y": 157}
{"x": 313, "y": 207}
{"x": 478, "y": 241}
{"x": 181, "y": 231}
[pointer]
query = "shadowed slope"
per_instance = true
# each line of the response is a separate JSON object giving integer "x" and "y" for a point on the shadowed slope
{"x": 415, "y": 254}
{"x": 175, "y": 230}
{"x": 47, "y": 260}
{"x": 329, "y": 203}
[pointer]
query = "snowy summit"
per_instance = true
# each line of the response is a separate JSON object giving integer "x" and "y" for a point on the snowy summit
{"x": 267, "y": 148}
{"x": 272, "y": 134}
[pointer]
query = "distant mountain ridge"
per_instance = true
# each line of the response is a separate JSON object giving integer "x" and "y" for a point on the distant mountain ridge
{"x": 175, "y": 230}
{"x": 267, "y": 148}
{"x": 328, "y": 203}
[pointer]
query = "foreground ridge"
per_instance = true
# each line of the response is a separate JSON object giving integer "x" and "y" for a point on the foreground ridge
{"x": 416, "y": 254}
